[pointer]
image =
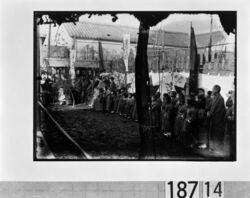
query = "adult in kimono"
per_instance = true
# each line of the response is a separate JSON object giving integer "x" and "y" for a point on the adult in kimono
{"x": 187, "y": 136}
{"x": 174, "y": 102}
{"x": 112, "y": 84}
{"x": 167, "y": 115}
{"x": 156, "y": 111}
{"x": 113, "y": 96}
{"x": 121, "y": 101}
{"x": 178, "y": 125}
{"x": 201, "y": 127}
{"x": 85, "y": 85}
{"x": 134, "y": 109}
{"x": 128, "y": 105}
{"x": 230, "y": 125}
{"x": 108, "y": 100}
{"x": 77, "y": 89}
{"x": 116, "y": 98}
{"x": 216, "y": 117}
{"x": 208, "y": 101}
{"x": 98, "y": 103}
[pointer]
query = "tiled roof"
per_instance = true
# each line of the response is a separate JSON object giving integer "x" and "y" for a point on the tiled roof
{"x": 95, "y": 31}
{"x": 203, "y": 39}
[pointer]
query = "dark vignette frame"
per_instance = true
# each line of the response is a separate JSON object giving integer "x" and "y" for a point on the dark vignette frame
{"x": 36, "y": 77}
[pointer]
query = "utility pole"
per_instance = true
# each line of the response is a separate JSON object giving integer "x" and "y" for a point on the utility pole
{"x": 48, "y": 55}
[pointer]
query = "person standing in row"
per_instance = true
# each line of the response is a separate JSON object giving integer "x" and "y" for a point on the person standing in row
{"x": 216, "y": 116}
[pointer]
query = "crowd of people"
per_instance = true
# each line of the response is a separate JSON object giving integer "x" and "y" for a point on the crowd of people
{"x": 201, "y": 120}
{"x": 61, "y": 88}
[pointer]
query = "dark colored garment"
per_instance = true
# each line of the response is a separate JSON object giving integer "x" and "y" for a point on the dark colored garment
{"x": 85, "y": 85}
{"x": 230, "y": 130}
{"x": 229, "y": 102}
{"x": 189, "y": 127}
{"x": 111, "y": 102}
{"x": 156, "y": 113}
{"x": 108, "y": 102}
{"x": 178, "y": 125}
{"x": 77, "y": 90}
{"x": 201, "y": 126}
{"x": 134, "y": 111}
{"x": 128, "y": 106}
{"x": 121, "y": 106}
{"x": 46, "y": 91}
{"x": 217, "y": 121}
{"x": 112, "y": 86}
{"x": 116, "y": 102}
{"x": 167, "y": 117}
{"x": 201, "y": 103}
{"x": 200, "y": 134}
{"x": 208, "y": 103}
{"x": 98, "y": 103}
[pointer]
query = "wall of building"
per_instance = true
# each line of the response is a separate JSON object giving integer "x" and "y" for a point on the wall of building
{"x": 223, "y": 60}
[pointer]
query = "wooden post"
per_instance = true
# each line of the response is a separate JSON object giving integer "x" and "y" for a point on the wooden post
{"x": 36, "y": 77}
{"x": 142, "y": 84}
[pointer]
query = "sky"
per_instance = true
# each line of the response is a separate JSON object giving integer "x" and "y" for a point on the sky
{"x": 175, "y": 22}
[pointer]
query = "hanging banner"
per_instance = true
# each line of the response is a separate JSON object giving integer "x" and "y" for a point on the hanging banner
{"x": 72, "y": 63}
{"x": 179, "y": 80}
{"x": 126, "y": 49}
{"x": 193, "y": 63}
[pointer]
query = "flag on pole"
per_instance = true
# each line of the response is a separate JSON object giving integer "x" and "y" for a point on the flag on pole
{"x": 210, "y": 49}
{"x": 73, "y": 60}
{"x": 210, "y": 42}
{"x": 126, "y": 49}
{"x": 101, "y": 62}
{"x": 193, "y": 64}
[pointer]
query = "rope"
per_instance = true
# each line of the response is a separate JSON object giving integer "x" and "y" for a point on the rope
{"x": 85, "y": 154}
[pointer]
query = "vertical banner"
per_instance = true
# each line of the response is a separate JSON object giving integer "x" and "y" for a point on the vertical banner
{"x": 126, "y": 49}
{"x": 101, "y": 61}
{"x": 193, "y": 64}
{"x": 72, "y": 63}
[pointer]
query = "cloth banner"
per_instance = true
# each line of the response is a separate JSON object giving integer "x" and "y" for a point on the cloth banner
{"x": 72, "y": 63}
{"x": 179, "y": 80}
{"x": 126, "y": 49}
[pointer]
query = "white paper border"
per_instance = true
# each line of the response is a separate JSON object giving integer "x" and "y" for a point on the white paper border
{"x": 16, "y": 100}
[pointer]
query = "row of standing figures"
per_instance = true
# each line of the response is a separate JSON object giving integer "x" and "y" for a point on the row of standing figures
{"x": 203, "y": 121}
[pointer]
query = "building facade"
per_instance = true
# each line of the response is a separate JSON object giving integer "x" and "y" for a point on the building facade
{"x": 166, "y": 50}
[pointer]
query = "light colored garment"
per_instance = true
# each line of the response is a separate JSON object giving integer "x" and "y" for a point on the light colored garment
{"x": 95, "y": 95}
{"x": 61, "y": 96}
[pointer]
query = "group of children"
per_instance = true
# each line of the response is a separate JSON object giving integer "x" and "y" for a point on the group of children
{"x": 175, "y": 116}
{"x": 116, "y": 101}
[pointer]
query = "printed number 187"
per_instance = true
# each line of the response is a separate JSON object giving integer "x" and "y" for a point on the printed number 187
{"x": 182, "y": 189}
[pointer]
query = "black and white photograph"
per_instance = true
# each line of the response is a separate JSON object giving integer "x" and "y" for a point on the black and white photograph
{"x": 135, "y": 85}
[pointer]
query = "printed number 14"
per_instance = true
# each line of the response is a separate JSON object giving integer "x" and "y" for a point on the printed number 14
{"x": 213, "y": 189}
